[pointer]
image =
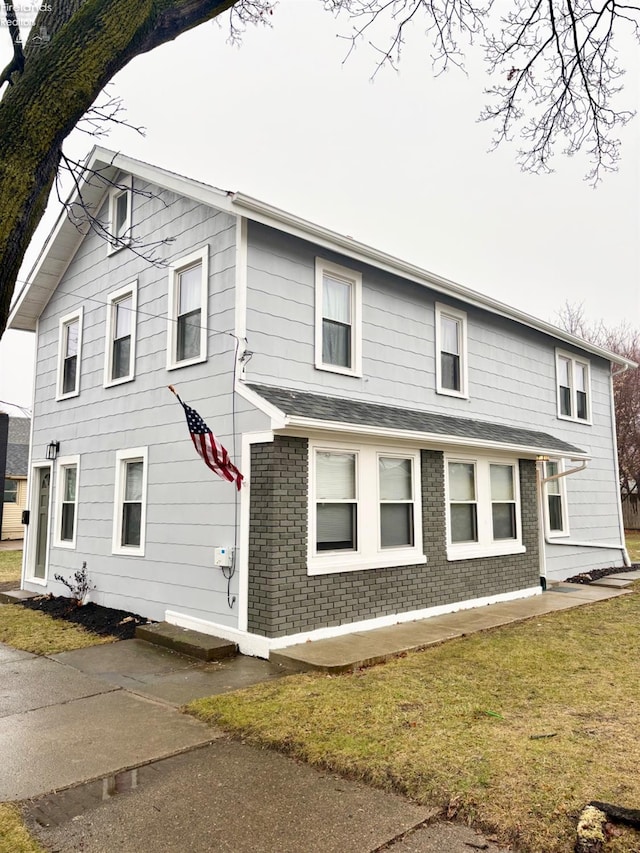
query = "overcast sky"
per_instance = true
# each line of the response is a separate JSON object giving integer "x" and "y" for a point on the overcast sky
{"x": 400, "y": 163}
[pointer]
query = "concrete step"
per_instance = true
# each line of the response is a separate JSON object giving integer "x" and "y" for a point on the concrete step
{"x": 11, "y": 596}
{"x": 187, "y": 642}
{"x": 613, "y": 582}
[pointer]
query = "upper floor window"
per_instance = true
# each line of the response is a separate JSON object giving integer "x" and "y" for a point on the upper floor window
{"x": 188, "y": 291}
{"x": 574, "y": 387}
{"x": 130, "y": 502}
{"x": 69, "y": 354}
{"x": 451, "y": 351}
{"x": 66, "y": 514}
{"x": 338, "y": 319}
{"x": 556, "y": 515}
{"x": 120, "y": 345}
{"x": 120, "y": 204}
{"x": 365, "y": 508}
{"x": 483, "y": 507}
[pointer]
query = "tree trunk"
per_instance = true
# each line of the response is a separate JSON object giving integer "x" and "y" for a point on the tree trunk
{"x": 89, "y": 43}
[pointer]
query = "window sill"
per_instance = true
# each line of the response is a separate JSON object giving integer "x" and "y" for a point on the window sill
{"x": 123, "y": 551}
{"x": 475, "y": 551}
{"x": 344, "y": 371}
{"x": 67, "y": 396}
{"x": 112, "y": 382}
{"x": 446, "y": 392}
{"x": 123, "y": 244}
{"x": 187, "y": 362}
{"x": 70, "y": 546}
{"x": 338, "y": 563}
{"x": 586, "y": 422}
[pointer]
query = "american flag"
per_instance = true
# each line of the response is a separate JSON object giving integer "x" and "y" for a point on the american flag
{"x": 209, "y": 448}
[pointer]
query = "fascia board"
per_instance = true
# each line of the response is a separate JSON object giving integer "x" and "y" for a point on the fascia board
{"x": 268, "y": 215}
{"x": 436, "y": 440}
{"x": 278, "y": 418}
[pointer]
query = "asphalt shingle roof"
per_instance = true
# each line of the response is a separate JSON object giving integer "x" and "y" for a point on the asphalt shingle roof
{"x": 345, "y": 410}
{"x": 18, "y": 447}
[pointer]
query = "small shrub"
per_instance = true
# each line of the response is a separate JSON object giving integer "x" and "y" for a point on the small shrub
{"x": 80, "y": 587}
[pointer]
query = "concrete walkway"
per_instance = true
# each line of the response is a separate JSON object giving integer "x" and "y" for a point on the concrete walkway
{"x": 353, "y": 651}
{"x": 79, "y": 728}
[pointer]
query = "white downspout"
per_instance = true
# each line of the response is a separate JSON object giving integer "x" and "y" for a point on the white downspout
{"x": 625, "y": 553}
{"x": 572, "y": 543}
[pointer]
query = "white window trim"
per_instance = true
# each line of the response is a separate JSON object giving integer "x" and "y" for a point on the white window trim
{"x": 61, "y": 463}
{"x": 369, "y": 553}
{"x": 461, "y": 316}
{"x": 112, "y": 298}
{"x": 200, "y": 256}
{"x": 134, "y": 454}
{"x": 573, "y": 360}
{"x": 485, "y": 546}
{"x": 355, "y": 280}
{"x": 115, "y": 244}
{"x": 562, "y": 483}
{"x": 31, "y": 531}
{"x": 65, "y": 321}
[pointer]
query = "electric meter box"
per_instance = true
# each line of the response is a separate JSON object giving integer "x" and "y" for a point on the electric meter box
{"x": 223, "y": 557}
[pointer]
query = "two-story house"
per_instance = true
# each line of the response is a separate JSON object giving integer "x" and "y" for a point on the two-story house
{"x": 409, "y": 446}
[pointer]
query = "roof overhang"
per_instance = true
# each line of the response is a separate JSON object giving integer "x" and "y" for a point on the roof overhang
{"x": 102, "y": 165}
{"x": 508, "y": 440}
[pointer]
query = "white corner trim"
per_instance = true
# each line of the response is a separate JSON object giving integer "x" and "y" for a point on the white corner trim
{"x": 245, "y": 505}
{"x": 259, "y": 646}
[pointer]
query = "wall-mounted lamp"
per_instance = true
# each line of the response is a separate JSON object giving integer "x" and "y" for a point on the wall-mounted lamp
{"x": 542, "y": 458}
{"x": 53, "y": 448}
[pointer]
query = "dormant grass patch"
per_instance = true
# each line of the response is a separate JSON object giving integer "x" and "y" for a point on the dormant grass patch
{"x": 513, "y": 730}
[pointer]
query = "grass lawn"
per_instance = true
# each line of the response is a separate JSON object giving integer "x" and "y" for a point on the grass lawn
{"x": 38, "y": 633}
{"x": 633, "y": 544}
{"x": 14, "y": 837}
{"x": 10, "y": 566}
{"x": 514, "y": 729}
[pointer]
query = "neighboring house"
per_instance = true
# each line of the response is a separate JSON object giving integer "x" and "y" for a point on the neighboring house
{"x": 15, "y": 478}
{"x": 400, "y": 436}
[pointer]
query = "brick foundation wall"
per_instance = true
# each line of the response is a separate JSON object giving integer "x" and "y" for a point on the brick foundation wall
{"x": 284, "y": 600}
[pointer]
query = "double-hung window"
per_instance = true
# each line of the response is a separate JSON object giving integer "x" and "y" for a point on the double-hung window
{"x": 365, "y": 509}
{"x": 573, "y": 387}
{"x": 555, "y": 491}
{"x": 397, "y": 520}
{"x": 120, "y": 205}
{"x": 483, "y": 507}
{"x": 336, "y": 501}
{"x": 338, "y": 319}
{"x": 130, "y": 502}
{"x": 66, "y": 512}
{"x": 69, "y": 355}
{"x": 187, "y": 330}
{"x": 120, "y": 347}
{"x": 451, "y": 351}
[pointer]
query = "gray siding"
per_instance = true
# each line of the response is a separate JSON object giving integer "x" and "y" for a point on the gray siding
{"x": 285, "y": 600}
{"x": 189, "y": 509}
{"x": 512, "y": 376}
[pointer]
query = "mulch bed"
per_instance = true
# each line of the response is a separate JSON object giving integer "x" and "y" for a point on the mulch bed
{"x": 596, "y": 574}
{"x": 92, "y": 617}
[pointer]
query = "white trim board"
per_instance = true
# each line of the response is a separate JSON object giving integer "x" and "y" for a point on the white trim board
{"x": 256, "y": 645}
